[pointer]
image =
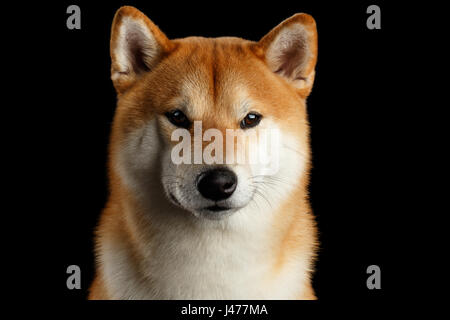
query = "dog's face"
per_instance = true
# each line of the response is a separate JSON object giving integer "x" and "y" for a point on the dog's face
{"x": 188, "y": 107}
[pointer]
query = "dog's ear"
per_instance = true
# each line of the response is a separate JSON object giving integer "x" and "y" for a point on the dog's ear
{"x": 290, "y": 50}
{"x": 137, "y": 45}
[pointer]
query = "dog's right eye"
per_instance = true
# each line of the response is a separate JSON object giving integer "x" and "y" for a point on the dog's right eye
{"x": 178, "y": 118}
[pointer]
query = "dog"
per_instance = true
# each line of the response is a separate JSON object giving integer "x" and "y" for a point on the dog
{"x": 207, "y": 230}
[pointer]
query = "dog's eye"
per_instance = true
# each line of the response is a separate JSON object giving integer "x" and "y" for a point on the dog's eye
{"x": 178, "y": 118}
{"x": 251, "y": 120}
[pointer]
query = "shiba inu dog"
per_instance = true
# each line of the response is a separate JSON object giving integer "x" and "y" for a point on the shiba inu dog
{"x": 196, "y": 230}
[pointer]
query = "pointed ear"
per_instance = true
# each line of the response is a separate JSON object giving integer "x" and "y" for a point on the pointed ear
{"x": 137, "y": 45}
{"x": 290, "y": 50}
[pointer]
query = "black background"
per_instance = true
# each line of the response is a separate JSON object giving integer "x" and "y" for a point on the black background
{"x": 352, "y": 110}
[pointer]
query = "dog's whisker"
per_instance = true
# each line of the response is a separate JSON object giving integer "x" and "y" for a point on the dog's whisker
{"x": 302, "y": 154}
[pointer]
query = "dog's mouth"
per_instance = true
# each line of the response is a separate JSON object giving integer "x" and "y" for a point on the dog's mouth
{"x": 217, "y": 208}
{"x": 217, "y": 211}
{"x": 174, "y": 199}
{"x": 214, "y": 208}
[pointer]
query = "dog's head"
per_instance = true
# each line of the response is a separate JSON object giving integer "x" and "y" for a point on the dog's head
{"x": 187, "y": 108}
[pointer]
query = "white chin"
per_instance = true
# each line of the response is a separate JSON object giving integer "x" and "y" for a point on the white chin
{"x": 214, "y": 214}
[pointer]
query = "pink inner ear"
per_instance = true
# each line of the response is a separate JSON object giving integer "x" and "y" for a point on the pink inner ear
{"x": 290, "y": 54}
{"x": 136, "y": 51}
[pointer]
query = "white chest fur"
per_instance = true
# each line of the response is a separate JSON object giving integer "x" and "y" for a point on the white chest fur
{"x": 201, "y": 263}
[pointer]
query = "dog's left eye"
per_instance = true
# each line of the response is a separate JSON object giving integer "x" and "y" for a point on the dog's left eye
{"x": 178, "y": 118}
{"x": 251, "y": 120}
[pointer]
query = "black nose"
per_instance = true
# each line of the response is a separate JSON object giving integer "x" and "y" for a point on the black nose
{"x": 217, "y": 184}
